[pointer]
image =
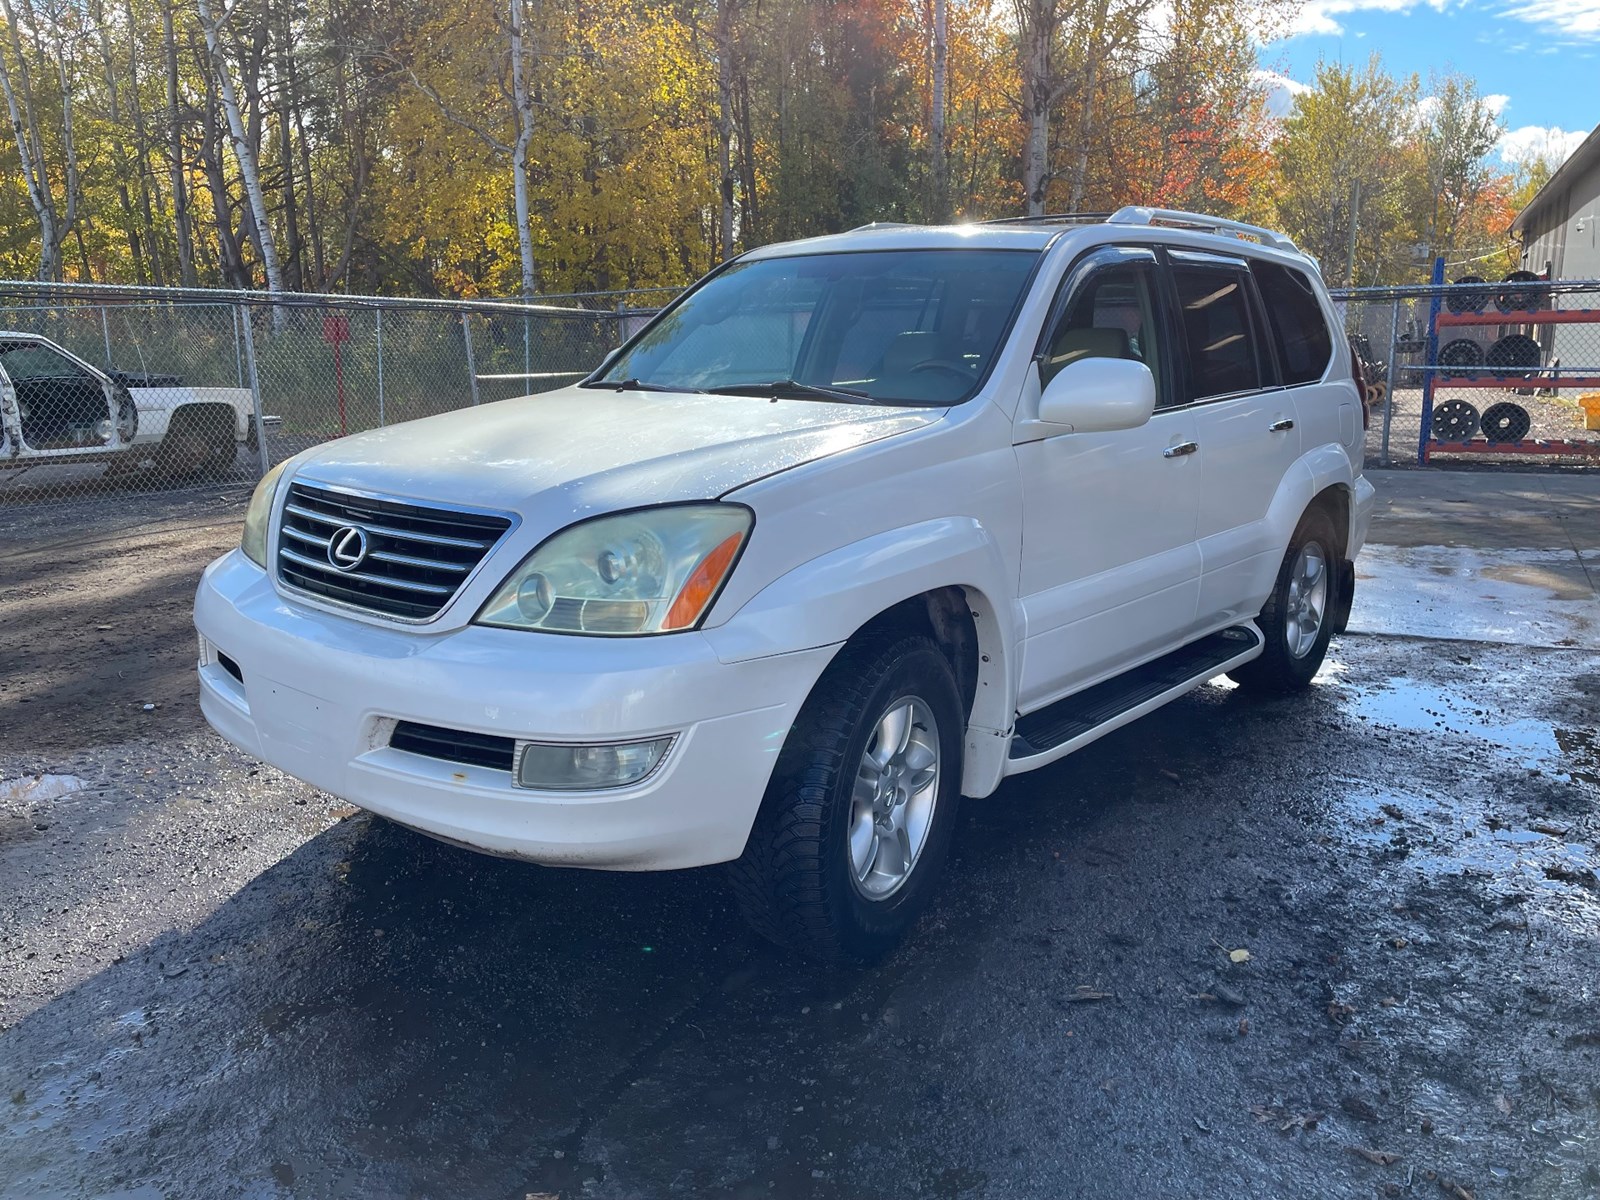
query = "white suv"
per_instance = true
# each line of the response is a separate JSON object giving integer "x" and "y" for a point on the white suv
{"x": 858, "y": 526}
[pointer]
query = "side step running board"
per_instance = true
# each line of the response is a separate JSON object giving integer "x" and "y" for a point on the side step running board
{"x": 1056, "y": 731}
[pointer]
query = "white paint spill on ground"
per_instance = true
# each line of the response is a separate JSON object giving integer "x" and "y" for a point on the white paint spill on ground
{"x": 1515, "y": 597}
{"x": 32, "y": 788}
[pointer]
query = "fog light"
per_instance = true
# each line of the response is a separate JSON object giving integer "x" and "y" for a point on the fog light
{"x": 591, "y": 767}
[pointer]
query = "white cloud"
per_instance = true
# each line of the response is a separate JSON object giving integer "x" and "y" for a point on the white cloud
{"x": 1529, "y": 143}
{"x": 1279, "y": 91}
{"x": 1496, "y": 102}
{"x": 1569, "y": 21}
{"x": 1321, "y": 17}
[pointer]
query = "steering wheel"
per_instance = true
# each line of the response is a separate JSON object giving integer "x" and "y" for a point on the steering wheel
{"x": 948, "y": 365}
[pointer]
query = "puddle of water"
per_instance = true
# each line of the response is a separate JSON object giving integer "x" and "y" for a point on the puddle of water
{"x": 32, "y": 788}
{"x": 1414, "y": 707}
{"x": 1437, "y": 838}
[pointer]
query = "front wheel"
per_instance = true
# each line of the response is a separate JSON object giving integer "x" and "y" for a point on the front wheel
{"x": 856, "y": 821}
{"x": 1298, "y": 618}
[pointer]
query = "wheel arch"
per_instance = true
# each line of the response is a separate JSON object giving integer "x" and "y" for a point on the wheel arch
{"x": 946, "y": 577}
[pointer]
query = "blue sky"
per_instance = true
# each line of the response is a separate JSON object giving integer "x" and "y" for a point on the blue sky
{"x": 1537, "y": 58}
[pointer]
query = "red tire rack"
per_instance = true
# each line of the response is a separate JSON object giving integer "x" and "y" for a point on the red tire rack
{"x": 1433, "y": 377}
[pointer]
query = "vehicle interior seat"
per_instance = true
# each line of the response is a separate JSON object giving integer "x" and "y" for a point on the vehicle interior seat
{"x": 1093, "y": 342}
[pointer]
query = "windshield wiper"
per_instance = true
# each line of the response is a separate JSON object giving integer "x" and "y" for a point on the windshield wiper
{"x": 791, "y": 388}
{"x": 638, "y": 385}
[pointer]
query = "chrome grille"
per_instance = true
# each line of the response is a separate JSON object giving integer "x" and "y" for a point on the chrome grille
{"x": 415, "y": 558}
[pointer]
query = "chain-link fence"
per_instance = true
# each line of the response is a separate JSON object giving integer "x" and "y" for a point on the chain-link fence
{"x": 112, "y": 390}
{"x": 1480, "y": 372}
{"x": 108, "y": 390}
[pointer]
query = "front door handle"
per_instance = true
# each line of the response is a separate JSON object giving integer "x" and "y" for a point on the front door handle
{"x": 1180, "y": 449}
{"x": 1280, "y": 426}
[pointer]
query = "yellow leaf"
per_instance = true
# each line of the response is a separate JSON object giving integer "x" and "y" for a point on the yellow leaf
{"x": 1239, "y": 956}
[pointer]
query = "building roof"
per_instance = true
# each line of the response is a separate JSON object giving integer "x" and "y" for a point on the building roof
{"x": 1585, "y": 155}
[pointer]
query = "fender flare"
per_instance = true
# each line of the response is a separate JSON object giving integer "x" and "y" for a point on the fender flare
{"x": 823, "y": 602}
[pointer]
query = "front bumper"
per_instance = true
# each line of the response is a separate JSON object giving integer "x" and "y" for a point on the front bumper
{"x": 320, "y": 694}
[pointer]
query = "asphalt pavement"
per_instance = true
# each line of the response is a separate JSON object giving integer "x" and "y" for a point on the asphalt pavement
{"x": 1342, "y": 944}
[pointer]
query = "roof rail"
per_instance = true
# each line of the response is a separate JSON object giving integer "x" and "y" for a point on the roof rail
{"x": 1136, "y": 214}
{"x": 1048, "y": 218}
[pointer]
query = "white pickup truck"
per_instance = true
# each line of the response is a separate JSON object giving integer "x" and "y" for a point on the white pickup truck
{"x": 55, "y": 407}
{"x": 857, "y": 527}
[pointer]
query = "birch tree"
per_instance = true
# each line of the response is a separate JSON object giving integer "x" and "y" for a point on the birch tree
{"x": 56, "y": 219}
{"x": 243, "y": 148}
{"x": 1038, "y": 22}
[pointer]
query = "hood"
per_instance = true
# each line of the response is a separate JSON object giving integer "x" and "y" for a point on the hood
{"x": 605, "y": 450}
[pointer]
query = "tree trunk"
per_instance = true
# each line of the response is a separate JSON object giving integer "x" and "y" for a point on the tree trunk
{"x": 725, "y": 173}
{"x": 229, "y": 254}
{"x": 25, "y": 131}
{"x": 180, "y": 190}
{"x": 1037, "y": 20}
{"x": 148, "y": 210}
{"x": 125, "y": 166}
{"x": 519, "y": 152}
{"x": 244, "y": 153}
{"x": 940, "y": 157}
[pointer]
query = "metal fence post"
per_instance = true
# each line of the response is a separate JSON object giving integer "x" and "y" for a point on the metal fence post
{"x": 1430, "y": 357}
{"x": 378, "y": 322}
{"x": 105, "y": 332}
{"x": 1388, "y": 393}
{"x": 243, "y": 314}
{"x": 472, "y": 368}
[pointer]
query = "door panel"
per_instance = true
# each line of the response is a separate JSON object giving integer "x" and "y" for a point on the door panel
{"x": 1110, "y": 571}
{"x": 1245, "y": 425}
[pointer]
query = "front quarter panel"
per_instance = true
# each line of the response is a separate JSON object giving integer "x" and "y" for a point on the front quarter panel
{"x": 841, "y": 540}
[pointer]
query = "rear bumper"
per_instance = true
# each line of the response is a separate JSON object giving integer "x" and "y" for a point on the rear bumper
{"x": 321, "y": 693}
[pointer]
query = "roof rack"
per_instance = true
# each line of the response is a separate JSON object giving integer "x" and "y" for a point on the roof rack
{"x": 1049, "y": 218}
{"x": 1135, "y": 214}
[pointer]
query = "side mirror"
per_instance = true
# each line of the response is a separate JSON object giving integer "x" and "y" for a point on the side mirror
{"x": 1099, "y": 395}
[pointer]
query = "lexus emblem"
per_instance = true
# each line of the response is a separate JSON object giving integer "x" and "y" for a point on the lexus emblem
{"x": 347, "y": 548}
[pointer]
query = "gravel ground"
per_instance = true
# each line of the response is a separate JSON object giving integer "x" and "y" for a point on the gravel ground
{"x": 217, "y": 982}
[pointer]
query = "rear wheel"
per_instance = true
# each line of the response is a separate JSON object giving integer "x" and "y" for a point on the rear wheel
{"x": 1297, "y": 621}
{"x": 856, "y": 822}
{"x": 197, "y": 445}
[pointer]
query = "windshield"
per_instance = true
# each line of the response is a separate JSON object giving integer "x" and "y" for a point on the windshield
{"x": 891, "y": 327}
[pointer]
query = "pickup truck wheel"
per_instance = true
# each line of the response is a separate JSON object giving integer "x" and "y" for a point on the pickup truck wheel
{"x": 197, "y": 445}
{"x": 856, "y": 822}
{"x": 1298, "y": 618}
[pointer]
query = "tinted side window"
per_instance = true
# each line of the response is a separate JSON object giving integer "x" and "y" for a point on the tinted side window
{"x": 1298, "y": 327}
{"x": 1112, "y": 315}
{"x": 1216, "y": 328}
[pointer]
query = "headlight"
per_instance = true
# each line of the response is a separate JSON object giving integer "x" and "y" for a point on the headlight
{"x": 652, "y": 571}
{"x": 254, "y": 541}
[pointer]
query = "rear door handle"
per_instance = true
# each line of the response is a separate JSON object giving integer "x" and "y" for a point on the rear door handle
{"x": 1180, "y": 449}
{"x": 1280, "y": 426}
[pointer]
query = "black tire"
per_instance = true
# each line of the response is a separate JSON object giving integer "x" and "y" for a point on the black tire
{"x": 1515, "y": 353}
{"x": 1463, "y": 356}
{"x": 794, "y": 882}
{"x": 1464, "y": 301}
{"x": 1454, "y": 421}
{"x": 1279, "y": 669}
{"x": 1505, "y": 422}
{"x": 196, "y": 446}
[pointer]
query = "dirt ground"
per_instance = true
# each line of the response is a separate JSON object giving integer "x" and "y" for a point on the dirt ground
{"x": 98, "y": 616}
{"x": 217, "y": 982}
